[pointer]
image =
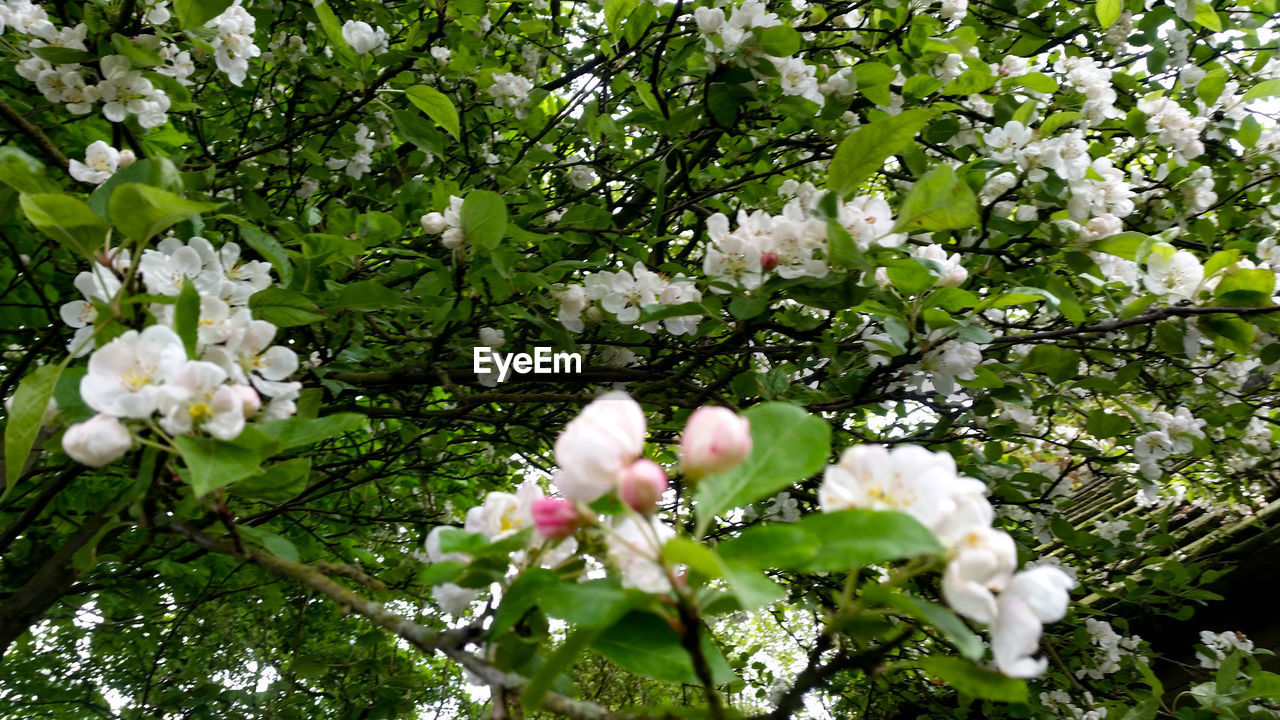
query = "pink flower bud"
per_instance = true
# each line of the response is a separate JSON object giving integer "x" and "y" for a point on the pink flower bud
{"x": 715, "y": 439}
{"x": 769, "y": 260}
{"x": 643, "y": 483}
{"x": 555, "y": 518}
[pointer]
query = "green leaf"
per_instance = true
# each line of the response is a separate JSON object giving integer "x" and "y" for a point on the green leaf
{"x": 563, "y": 658}
{"x": 275, "y": 544}
{"x": 863, "y": 153}
{"x": 947, "y": 622}
{"x": 367, "y": 295}
{"x": 137, "y": 54}
{"x": 1213, "y": 83}
{"x": 972, "y": 680}
{"x": 186, "y": 316}
{"x": 25, "y": 418}
{"x": 1058, "y": 363}
{"x": 1266, "y": 88}
{"x": 1206, "y": 16}
{"x": 193, "y": 14}
{"x": 776, "y": 545}
{"x": 298, "y": 431}
{"x": 270, "y": 249}
{"x": 24, "y": 173}
{"x": 1246, "y": 286}
{"x": 142, "y": 212}
{"x": 1128, "y": 245}
{"x": 1057, "y": 120}
{"x": 520, "y": 597}
{"x": 437, "y": 106}
{"x": 1102, "y": 424}
{"x": 591, "y": 604}
{"x": 278, "y": 482}
{"x": 645, "y": 644}
{"x": 1264, "y": 685}
{"x": 1038, "y": 81}
{"x": 67, "y": 220}
{"x": 284, "y": 308}
{"x": 157, "y": 172}
{"x": 616, "y": 11}
{"x": 779, "y": 40}
{"x": 940, "y": 200}
{"x": 484, "y": 218}
{"x": 216, "y": 463}
{"x": 853, "y": 538}
{"x": 788, "y": 444}
{"x": 62, "y": 56}
{"x": 1108, "y": 12}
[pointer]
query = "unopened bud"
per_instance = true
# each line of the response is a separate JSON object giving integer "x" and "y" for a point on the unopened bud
{"x": 126, "y": 159}
{"x": 555, "y": 518}
{"x": 714, "y": 440}
{"x": 433, "y": 223}
{"x": 769, "y": 260}
{"x": 643, "y": 483}
{"x": 250, "y": 403}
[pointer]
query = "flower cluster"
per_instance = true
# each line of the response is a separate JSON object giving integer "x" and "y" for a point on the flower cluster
{"x": 233, "y": 42}
{"x": 729, "y": 35}
{"x": 794, "y": 243}
{"x": 1175, "y": 433}
{"x": 511, "y": 91}
{"x": 122, "y": 90}
{"x": 626, "y": 293}
{"x": 362, "y": 161}
{"x": 142, "y": 373}
{"x": 601, "y": 452}
{"x": 1174, "y": 127}
{"x": 980, "y": 581}
{"x": 447, "y": 224}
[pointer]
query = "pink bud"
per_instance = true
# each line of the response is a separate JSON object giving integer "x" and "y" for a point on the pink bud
{"x": 555, "y": 518}
{"x": 715, "y": 439}
{"x": 126, "y": 159}
{"x": 769, "y": 260}
{"x": 643, "y": 483}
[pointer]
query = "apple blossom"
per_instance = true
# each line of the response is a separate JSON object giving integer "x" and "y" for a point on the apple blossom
{"x": 635, "y": 549}
{"x": 364, "y": 38}
{"x": 125, "y": 375}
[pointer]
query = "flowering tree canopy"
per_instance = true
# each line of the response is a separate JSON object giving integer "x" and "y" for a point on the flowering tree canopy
{"x": 617, "y": 358}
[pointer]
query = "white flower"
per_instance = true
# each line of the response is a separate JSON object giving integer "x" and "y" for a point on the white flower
{"x": 1176, "y": 275}
{"x": 1006, "y": 141}
{"x": 100, "y": 162}
{"x": 950, "y": 361}
{"x": 624, "y": 293}
{"x": 194, "y": 396}
{"x": 433, "y": 223}
{"x": 490, "y": 337}
{"x": 504, "y": 514}
{"x": 583, "y": 177}
{"x": 910, "y": 479}
{"x": 635, "y": 548}
{"x": 597, "y": 445}
{"x": 1031, "y": 598}
{"x": 441, "y": 54}
{"x": 100, "y": 440}
{"x": 985, "y": 559}
{"x": 869, "y": 220}
{"x": 573, "y": 300}
{"x": 99, "y": 284}
{"x": 364, "y": 38}
{"x": 453, "y": 599}
{"x": 125, "y": 375}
